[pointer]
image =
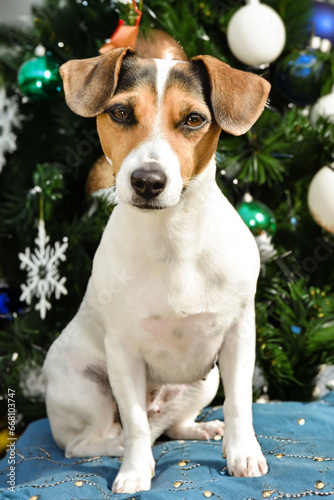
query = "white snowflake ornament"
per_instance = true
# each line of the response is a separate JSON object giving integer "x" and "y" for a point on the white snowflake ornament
{"x": 43, "y": 277}
{"x": 9, "y": 118}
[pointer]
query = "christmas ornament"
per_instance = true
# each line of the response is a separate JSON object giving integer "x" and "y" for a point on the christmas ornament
{"x": 10, "y": 304}
{"x": 257, "y": 216}
{"x": 9, "y": 118}
{"x": 256, "y": 34}
{"x": 323, "y": 20}
{"x": 321, "y": 198}
{"x": 39, "y": 77}
{"x": 299, "y": 76}
{"x": 123, "y": 35}
{"x": 42, "y": 266}
{"x": 323, "y": 107}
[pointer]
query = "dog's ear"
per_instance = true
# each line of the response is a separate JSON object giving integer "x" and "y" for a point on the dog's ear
{"x": 89, "y": 83}
{"x": 237, "y": 97}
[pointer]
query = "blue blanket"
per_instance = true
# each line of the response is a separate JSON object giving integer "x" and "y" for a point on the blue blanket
{"x": 297, "y": 439}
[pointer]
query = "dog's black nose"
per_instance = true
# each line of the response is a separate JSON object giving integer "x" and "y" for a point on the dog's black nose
{"x": 148, "y": 183}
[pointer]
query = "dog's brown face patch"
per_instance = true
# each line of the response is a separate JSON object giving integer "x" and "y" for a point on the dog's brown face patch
{"x": 119, "y": 139}
{"x": 190, "y": 130}
{"x": 187, "y": 93}
{"x": 183, "y": 104}
{"x": 136, "y": 95}
{"x": 179, "y": 113}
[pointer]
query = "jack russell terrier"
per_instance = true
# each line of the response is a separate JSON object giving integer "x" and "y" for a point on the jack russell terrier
{"x": 174, "y": 277}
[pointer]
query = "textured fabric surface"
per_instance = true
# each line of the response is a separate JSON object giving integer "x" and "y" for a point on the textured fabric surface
{"x": 297, "y": 439}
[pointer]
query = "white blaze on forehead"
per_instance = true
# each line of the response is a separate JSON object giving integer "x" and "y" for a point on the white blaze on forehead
{"x": 163, "y": 68}
{"x": 154, "y": 150}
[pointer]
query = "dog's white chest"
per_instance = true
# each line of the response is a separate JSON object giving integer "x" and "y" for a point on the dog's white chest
{"x": 180, "y": 349}
{"x": 177, "y": 301}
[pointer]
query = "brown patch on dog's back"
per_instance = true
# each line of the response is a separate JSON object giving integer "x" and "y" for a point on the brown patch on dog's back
{"x": 159, "y": 45}
{"x": 100, "y": 176}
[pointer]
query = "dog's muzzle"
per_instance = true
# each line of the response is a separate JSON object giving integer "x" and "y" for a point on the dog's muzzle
{"x": 148, "y": 184}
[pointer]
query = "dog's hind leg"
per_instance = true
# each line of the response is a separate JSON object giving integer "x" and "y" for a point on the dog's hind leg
{"x": 95, "y": 447}
{"x": 178, "y": 418}
{"x": 81, "y": 407}
{"x": 197, "y": 397}
{"x": 86, "y": 425}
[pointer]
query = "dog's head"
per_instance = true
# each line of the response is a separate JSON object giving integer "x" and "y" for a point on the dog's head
{"x": 159, "y": 120}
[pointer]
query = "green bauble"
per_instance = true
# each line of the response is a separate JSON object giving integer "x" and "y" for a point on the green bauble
{"x": 39, "y": 78}
{"x": 258, "y": 217}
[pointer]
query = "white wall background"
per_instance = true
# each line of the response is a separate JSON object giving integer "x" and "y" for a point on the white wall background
{"x": 16, "y": 12}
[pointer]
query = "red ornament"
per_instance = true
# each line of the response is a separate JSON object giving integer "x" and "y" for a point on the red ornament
{"x": 123, "y": 36}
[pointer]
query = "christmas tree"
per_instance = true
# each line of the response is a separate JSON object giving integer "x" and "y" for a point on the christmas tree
{"x": 279, "y": 176}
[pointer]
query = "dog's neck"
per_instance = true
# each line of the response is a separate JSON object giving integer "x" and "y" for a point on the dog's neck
{"x": 174, "y": 231}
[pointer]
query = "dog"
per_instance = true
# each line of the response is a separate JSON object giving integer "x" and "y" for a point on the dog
{"x": 174, "y": 278}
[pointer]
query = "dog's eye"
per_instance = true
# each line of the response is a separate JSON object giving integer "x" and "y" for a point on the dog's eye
{"x": 120, "y": 114}
{"x": 194, "y": 120}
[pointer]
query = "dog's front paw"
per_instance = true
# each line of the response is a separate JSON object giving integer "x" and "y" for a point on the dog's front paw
{"x": 132, "y": 480}
{"x": 245, "y": 459}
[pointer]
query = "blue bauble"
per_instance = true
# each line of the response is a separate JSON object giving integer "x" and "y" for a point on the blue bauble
{"x": 323, "y": 20}
{"x": 10, "y": 304}
{"x": 299, "y": 76}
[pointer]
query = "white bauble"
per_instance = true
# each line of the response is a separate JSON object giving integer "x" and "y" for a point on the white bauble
{"x": 321, "y": 198}
{"x": 256, "y": 34}
{"x": 323, "y": 107}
